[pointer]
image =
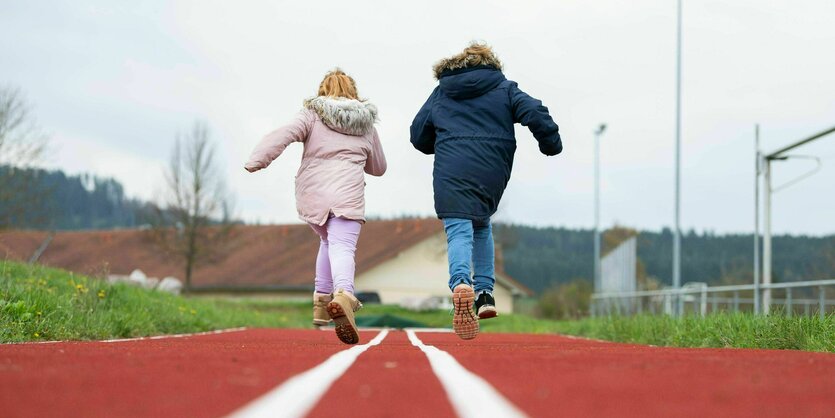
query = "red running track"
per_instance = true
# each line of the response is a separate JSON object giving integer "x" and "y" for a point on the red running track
{"x": 543, "y": 375}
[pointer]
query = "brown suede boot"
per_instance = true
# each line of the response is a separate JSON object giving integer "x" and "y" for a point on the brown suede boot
{"x": 320, "y": 308}
{"x": 341, "y": 309}
{"x": 464, "y": 321}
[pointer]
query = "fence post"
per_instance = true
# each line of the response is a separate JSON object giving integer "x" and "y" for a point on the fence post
{"x": 704, "y": 301}
{"x": 713, "y": 304}
{"x": 736, "y": 301}
{"x": 821, "y": 302}
{"x": 788, "y": 301}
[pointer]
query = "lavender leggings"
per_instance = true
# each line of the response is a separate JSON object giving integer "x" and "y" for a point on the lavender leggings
{"x": 335, "y": 263}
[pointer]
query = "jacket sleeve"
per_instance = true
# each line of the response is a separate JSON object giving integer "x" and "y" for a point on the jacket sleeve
{"x": 422, "y": 130}
{"x": 272, "y": 145}
{"x": 376, "y": 165}
{"x": 531, "y": 113}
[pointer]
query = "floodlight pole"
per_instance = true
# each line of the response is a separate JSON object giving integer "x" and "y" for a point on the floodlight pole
{"x": 677, "y": 232}
{"x": 757, "y": 158}
{"x": 598, "y": 284}
{"x": 767, "y": 240}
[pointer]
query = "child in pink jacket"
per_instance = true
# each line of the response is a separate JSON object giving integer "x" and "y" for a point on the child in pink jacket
{"x": 340, "y": 145}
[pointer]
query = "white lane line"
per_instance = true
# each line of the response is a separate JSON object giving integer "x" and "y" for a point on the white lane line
{"x": 162, "y": 337}
{"x": 299, "y": 394}
{"x": 469, "y": 394}
{"x": 432, "y": 330}
{"x": 118, "y": 340}
{"x": 329, "y": 328}
{"x": 577, "y": 337}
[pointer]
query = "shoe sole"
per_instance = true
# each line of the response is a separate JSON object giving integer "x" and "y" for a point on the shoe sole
{"x": 487, "y": 312}
{"x": 464, "y": 322}
{"x": 345, "y": 331}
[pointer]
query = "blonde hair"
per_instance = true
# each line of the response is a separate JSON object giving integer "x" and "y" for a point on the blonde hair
{"x": 338, "y": 84}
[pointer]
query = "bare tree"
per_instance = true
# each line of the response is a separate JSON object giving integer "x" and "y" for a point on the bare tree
{"x": 22, "y": 145}
{"x": 193, "y": 219}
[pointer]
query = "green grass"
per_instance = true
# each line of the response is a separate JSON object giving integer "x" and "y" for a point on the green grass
{"x": 739, "y": 330}
{"x": 38, "y": 303}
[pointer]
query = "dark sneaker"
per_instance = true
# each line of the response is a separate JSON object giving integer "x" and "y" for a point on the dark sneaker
{"x": 485, "y": 306}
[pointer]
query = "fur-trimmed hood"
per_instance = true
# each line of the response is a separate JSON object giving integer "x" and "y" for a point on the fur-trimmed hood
{"x": 347, "y": 116}
{"x": 466, "y": 60}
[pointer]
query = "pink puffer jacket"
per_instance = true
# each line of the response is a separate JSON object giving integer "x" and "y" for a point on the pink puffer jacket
{"x": 340, "y": 143}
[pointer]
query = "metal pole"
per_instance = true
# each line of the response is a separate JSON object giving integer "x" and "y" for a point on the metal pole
{"x": 736, "y": 302}
{"x": 779, "y": 152}
{"x": 767, "y": 159}
{"x": 757, "y": 219}
{"x": 821, "y": 302}
{"x": 766, "y": 303}
{"x": 677, "y": 231}
{"x": 598, "y": 283}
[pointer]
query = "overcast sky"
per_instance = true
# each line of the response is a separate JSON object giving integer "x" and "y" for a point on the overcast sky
{"x": 114, "y": 84}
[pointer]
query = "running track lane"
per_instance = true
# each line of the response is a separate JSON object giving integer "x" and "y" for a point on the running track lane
{"x": 212, "y": 375}
{"x": 194, "y": 376}
{"x": 549, "y": 375}
{"x": 392, "y": 379}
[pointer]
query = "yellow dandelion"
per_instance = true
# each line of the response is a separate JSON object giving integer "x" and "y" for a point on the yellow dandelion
{"x": 38, "y": 313}
{"x": 193, "y": 312}
{"x": 101, "y": 294}
{"x": 37, "y": 335}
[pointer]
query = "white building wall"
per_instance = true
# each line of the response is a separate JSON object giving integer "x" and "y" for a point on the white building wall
{"x": 419, "y": 272}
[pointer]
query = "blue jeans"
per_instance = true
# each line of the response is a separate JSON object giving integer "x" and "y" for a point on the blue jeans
{"x": 470, "y": 250}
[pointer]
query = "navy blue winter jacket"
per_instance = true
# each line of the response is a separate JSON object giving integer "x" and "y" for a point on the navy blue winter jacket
{"x": 467, "y": 123}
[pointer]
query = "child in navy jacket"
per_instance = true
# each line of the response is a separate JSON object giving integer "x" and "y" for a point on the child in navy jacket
{"x": 467, "y": 122}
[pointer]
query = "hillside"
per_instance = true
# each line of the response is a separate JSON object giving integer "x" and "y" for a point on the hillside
{"x": 53, "y": 200}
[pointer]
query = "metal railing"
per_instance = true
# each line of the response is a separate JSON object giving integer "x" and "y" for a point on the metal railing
{"x": 703, "y": 299}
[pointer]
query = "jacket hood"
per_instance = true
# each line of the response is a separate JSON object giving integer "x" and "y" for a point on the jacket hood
{"x": 466, "y": 60}
{"x": 471, "y": 82}
{"x": 346, "y": 116}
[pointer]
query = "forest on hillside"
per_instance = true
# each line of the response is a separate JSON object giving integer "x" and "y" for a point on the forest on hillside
{"x": 546, "y": 257}
{"x": 56, "y": 201}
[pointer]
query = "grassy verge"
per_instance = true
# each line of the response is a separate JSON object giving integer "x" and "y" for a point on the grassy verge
{"x": 38, "y": 303}
{"x": 739, "y": 330}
